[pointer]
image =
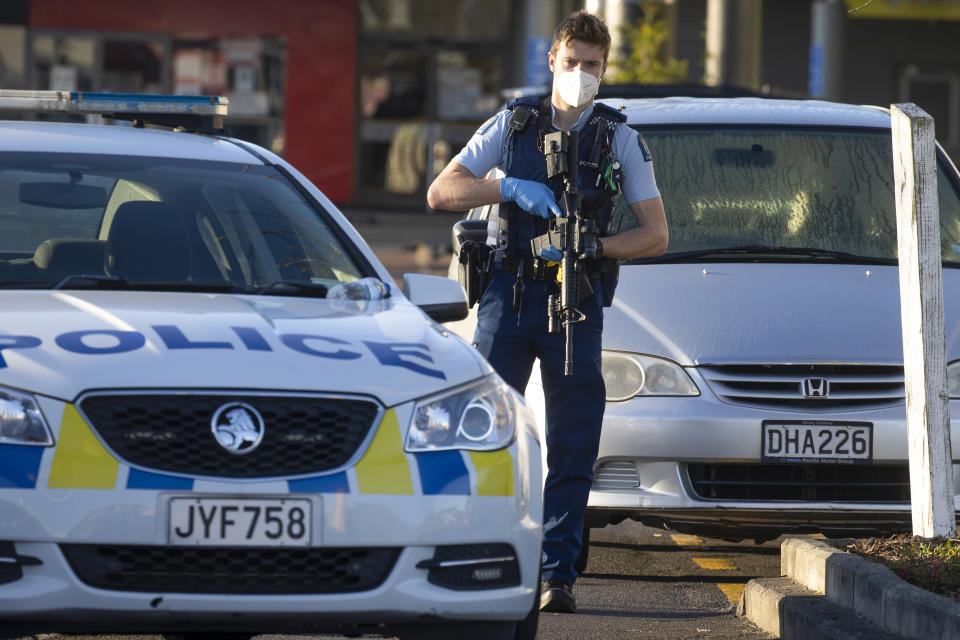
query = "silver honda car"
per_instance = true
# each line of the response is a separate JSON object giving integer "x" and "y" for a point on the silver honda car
{"x": 754, "y": 372}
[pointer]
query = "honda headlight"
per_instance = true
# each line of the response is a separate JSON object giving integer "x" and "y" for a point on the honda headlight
{"x": 479, "y": 416}
{"x": 21, "y": 421}
{"x": 628, "y": 374}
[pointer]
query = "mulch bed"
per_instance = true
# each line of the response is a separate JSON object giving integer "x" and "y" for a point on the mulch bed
{"x": 932, "y": 564}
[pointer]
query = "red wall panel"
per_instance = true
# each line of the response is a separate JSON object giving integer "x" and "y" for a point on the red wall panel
{"x": 321, "y": 37}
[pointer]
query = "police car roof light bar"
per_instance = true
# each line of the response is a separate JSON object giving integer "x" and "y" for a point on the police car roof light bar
{"x": 190, "y": 113}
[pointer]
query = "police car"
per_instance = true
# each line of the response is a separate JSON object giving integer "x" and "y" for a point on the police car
{"x": 219, "y": 413}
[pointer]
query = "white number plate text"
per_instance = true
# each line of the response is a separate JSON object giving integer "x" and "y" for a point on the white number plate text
{"x": 269, "y": 522}
{"x": 816, "y": 441}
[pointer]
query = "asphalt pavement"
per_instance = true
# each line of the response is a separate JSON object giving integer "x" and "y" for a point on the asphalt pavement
{"x": 642, "y": 582}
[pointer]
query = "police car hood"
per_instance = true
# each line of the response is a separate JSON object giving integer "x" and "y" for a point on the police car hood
{"x": 62, "y": 343}
{"x": 714, "y": 313}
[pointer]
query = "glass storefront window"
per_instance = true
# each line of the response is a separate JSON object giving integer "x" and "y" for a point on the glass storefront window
{"x": 132, "y": 65}
{"x": 64, "y": 62}
{"x": 430, "y": 72}
{"x": 249, "y": 71}
{"x": 12, "y": 47}
{"x": 415, "y": 107}
{"x": 467, "y": 85}
{"x": 393, "y": 84}
{"x": 436, "y": 18}
{"x": 401, "y": 159}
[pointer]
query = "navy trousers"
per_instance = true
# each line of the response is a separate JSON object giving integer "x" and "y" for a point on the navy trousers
{"x": 574, "y": 404}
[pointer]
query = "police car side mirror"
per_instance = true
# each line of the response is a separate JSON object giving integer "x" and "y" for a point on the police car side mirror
{"x": 440, "y": 298}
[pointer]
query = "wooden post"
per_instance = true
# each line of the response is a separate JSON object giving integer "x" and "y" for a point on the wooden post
{"x": 921, "y": 312}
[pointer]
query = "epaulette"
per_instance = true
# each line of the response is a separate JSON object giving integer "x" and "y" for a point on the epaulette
{"x": 526, "y": 101}
{"x": 609, "y": 112}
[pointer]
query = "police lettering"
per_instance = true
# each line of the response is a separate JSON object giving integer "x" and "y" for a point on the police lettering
{"x": 408, "y": 355}
{"x": 125, "y": 341}
{"x": 16, "y": 342}
{"x": 393, "y": 354}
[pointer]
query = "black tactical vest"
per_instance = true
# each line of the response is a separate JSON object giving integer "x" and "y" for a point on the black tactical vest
{"x": 529, "y": 122}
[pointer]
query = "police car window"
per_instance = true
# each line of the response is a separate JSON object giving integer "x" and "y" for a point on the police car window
{"x": 30, "y": 211}
{"x": 245, "y": 225}
{"x": 124, "y": 191}
{"x": 824, "y": 188}
{"x": 274, "y": 236}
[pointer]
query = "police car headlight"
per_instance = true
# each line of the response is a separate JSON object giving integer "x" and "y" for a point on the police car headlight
{"x": 479, "y": 416}
{"x": 629, "y": 374}
{"x": 21, "y": 421}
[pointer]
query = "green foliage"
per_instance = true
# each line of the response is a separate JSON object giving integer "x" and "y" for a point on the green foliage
{"x": 646, "y": 62}
{"x": 933, "y": 565}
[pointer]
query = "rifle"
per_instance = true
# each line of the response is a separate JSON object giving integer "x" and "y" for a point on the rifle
{"x": 575, "y": 234}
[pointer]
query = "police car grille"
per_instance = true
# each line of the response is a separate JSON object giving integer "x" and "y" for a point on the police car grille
{"x": 781, "y": 386}
{"x": 230, "y": 569}
{"x": 801, "y": 482}
{"x": 172, "y": 432}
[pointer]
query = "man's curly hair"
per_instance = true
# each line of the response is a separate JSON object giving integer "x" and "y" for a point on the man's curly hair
{"x": 584, "y": 27}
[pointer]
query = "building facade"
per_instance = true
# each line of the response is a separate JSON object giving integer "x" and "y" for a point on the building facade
{"x": 371, "y": 98}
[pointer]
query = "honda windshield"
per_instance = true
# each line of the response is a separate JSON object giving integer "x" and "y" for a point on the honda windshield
{"x": 752, "y": 193}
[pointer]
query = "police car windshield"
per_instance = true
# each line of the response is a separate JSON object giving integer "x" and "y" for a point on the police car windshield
{"x": 162, "y": 220}
{"x": 819, "y": 190}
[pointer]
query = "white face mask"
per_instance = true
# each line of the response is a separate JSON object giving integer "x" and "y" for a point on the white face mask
{"x": 577, "y": 87}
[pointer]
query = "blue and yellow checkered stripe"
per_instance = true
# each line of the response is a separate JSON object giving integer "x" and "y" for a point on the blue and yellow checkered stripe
{"x": 80, "y": 461}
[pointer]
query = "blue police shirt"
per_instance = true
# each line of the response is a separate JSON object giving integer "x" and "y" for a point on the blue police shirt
{"x": 487, "y": 149}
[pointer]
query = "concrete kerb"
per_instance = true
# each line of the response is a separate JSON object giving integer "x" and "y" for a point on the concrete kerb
{"x": 865, "y": 588}
{"x": 787, "y": 609}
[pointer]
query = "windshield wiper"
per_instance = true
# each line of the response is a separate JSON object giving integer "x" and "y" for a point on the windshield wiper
{"x": 79, "y": 281}
{"x": 758, "y": 249}
{"x": 279, "y": 288}
{"x": 291, "y": 288}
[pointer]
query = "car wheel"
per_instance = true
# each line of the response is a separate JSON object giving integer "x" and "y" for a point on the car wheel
{"x": 527, "y": 628}
{"x": 581, "y": 564}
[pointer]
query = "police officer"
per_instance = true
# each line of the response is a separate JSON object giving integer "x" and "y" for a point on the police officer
{"x": 512, "y": 316}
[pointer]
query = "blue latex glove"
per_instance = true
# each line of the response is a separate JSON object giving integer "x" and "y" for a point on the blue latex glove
{"x": 533, "y": 197}
{"x": 551, "y": 254}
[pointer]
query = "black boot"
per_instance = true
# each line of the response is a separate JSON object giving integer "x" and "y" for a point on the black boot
{"x": 556, "y": 596}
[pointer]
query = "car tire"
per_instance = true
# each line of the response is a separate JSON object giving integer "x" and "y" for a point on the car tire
{"x": 581, "y": 564}
{"x": 527, "y": 628}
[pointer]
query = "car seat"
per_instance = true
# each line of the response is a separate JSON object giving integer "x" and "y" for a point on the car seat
{"x": 148, "y": 241}
{"x": 68, "y": 256}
